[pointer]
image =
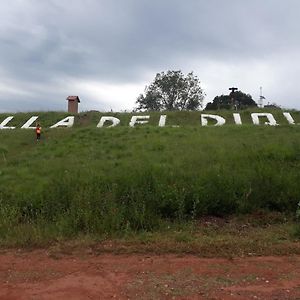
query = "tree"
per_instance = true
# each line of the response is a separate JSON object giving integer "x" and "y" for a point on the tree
{"x": 238, "y": 100}
{"x": 172, "y": 91}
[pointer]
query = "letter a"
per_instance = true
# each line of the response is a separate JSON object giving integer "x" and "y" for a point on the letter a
{"x": 66, "y": 122}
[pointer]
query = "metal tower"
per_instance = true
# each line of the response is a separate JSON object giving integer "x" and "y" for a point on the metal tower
{"x": 261, "y": 99}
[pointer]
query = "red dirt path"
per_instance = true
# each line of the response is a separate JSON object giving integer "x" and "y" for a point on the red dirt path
{"x": 38, "y": 275}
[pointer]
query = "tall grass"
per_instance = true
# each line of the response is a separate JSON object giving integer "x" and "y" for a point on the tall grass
{"x": 110, "y": 181}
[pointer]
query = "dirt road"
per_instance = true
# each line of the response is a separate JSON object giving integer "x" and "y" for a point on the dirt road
{"x": 40, "y": 275}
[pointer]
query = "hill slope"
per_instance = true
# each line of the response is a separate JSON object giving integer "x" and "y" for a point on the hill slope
{"x": 86, "y": 179}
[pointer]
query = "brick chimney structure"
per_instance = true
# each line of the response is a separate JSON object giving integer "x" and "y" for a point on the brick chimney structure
{"x": 73, "y": 104}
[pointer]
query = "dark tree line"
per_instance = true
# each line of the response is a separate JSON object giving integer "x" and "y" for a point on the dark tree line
{"x": 236, "y": 100}
{"x": 175, "y": 91}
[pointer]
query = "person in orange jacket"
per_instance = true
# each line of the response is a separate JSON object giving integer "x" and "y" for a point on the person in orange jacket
{"x": 38, "y": 131}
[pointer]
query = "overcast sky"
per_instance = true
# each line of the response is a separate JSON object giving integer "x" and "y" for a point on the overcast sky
{"x": 106, "y": 51}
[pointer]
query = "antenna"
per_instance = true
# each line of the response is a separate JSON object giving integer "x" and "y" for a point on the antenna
{"x": 261, "y": 98}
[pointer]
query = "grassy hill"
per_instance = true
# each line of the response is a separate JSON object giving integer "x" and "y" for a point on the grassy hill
{"x": 86, "y": 180}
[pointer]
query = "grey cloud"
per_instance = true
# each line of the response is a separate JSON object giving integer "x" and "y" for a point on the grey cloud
{"x": 46, "y": 43}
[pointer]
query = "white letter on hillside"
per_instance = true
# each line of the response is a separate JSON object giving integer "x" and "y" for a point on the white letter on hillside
{"x": 66, "y": 122}
{"x": 162, "y": 121}
{"x": 136, "y": 120}
{"x": 103, "y": 120}
{"x": 289, "y": 118}
{"x": 29, "y": 123}
{"x": 270, "y": 117}
{"x": 237, "y": 119}
{"x": 220, "y": 121}
{"x": 5, "y": 122}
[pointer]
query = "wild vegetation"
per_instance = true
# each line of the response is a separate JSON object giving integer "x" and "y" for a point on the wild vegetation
{"x": 172, "y": 91}
{"x": 105, "y": 182}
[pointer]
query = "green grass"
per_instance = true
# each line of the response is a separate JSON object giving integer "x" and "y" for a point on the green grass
{"x": 108, "y": 182}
